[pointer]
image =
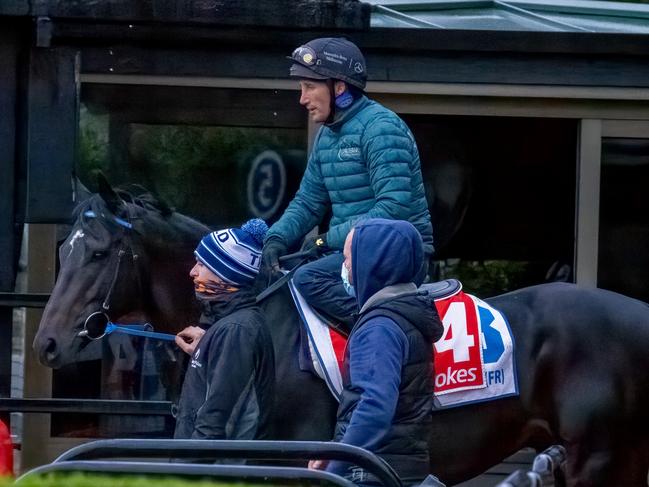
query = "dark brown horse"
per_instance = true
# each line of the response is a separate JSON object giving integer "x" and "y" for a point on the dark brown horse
{"x": 581, "y": 354}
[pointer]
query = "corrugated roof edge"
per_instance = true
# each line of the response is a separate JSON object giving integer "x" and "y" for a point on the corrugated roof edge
{"x": 609, "y": 9}
{"x": 410, "y": 5}
{"x": 584, "y": 7}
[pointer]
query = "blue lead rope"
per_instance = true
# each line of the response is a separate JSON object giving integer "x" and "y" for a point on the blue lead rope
{"x": 138, "y": 330}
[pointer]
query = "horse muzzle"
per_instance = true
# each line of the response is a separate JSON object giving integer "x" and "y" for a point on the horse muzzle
{"x": 48, "y": 351}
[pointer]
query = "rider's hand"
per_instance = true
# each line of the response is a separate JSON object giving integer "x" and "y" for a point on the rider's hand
{"x": 188, "y": 338}
{"x": 274, "y": 248}
{"x": 318, "y": 464}
{"x": 317, "y": 245}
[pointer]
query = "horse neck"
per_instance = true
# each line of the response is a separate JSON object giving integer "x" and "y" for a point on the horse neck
{"x": 168, "y": 296}
{"x": 283, "y": 321}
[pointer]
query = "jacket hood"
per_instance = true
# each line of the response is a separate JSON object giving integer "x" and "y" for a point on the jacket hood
{"x": 384, "y": 253}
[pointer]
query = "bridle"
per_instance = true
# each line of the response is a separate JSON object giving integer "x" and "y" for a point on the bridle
{"x": 97, "y": 324}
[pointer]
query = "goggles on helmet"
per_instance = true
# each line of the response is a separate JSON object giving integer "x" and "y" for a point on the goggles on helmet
{"x": 304, "y": 55}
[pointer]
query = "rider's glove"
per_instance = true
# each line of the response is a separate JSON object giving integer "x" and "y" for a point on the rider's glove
{"x": 316, "y": 245}
{"x": 273, "y": 249}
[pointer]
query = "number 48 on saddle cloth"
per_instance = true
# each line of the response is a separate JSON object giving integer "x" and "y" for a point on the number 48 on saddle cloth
{"x": 474, "y": 358}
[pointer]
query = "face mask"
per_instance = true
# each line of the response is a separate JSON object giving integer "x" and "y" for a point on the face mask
{"x": 344, "y": 275}
{"x": 213, "y": 290}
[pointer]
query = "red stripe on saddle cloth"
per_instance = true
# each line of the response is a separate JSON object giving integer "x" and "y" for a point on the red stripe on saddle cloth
{"x": 458, "y": 354}
{"x": 339, "y": 343}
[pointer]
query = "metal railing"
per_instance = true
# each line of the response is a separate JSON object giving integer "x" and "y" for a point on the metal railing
{"x": 77, "y": 406}
{"x": 23, "y": 300}
{"x": 85, "y": 406}
{"x": 108, "y": 456}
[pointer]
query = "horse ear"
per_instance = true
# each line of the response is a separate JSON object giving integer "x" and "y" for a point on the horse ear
{"x": 108, "y": 194}
{"x": 81, "y": 192}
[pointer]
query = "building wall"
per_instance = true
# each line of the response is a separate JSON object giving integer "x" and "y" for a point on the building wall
{"x": 137, "y": 84}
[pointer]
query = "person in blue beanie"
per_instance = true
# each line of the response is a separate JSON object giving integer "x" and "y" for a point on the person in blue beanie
{"x": 387, "y": 397}
{"x": 364, "y": 164}
{"x": 228, "y": 390}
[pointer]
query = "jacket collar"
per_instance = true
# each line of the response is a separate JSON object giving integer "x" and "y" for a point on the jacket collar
{"x": 343, "y": 116}
{"x": 215, "y": 309}
{"x": 389, "y": 293}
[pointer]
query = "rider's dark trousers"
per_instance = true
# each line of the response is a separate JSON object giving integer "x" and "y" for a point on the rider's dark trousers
{"x": 320, "y": 284}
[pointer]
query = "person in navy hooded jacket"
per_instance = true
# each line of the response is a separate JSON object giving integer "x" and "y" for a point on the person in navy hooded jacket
{"x": 387, "y": 398}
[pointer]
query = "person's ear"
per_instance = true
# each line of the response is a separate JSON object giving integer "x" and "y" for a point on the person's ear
{"x": 339, "y": 87}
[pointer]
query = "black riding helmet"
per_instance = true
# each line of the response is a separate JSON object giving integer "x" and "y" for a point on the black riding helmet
{"x": 330, "y": 58}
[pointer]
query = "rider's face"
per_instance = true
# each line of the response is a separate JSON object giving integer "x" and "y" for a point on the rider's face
{"x": 315, "y": 97}
{"x": 347, "y": 252}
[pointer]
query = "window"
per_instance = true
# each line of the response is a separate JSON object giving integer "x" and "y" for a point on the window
{"x": 624, "y": 217}
{"x": 503, "y": 191}
{"x": 220, "y": 155}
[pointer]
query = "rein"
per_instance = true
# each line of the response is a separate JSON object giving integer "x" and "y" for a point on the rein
{"x": 305, "y": 256}
{"x": 98, "y": 325}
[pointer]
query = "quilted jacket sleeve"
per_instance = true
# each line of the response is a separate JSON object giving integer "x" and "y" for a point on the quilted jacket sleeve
{"x": 307, "y": 208}
{"x": 389, "y": 149}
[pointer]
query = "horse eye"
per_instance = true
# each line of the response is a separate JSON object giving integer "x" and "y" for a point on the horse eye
{"x": 99, "y": 254}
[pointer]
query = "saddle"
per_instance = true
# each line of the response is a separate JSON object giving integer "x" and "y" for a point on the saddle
{"x": 473, "y": 361}
{"x": 442, "y": 289}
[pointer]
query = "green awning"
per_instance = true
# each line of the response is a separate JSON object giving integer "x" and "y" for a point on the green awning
{"x": 513, "y": 15}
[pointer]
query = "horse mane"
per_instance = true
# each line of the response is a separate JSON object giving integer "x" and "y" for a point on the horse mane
{"x": 131, "y": 193}
{"x": 139, "y": 196}
{"x": 141, "y": 203}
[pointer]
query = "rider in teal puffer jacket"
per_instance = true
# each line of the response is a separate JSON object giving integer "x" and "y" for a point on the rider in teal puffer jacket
{"x": 364, "y": 164}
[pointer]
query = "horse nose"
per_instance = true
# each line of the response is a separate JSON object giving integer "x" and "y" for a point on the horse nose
{"x": 48, "y": 351}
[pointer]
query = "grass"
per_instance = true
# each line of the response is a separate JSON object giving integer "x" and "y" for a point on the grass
{"x": 96, "y": 480}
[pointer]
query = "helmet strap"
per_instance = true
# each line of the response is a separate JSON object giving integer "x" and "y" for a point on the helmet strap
{"x": 332, "y": 101}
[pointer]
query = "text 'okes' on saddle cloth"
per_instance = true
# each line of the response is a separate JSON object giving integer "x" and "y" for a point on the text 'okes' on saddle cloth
{"x": 474, "y": 359}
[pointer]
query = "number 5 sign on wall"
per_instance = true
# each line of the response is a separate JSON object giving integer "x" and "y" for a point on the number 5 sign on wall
{"x": 266, "y": 184}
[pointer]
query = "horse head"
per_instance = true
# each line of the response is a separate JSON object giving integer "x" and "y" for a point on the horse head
{"x": 111, "y": 268}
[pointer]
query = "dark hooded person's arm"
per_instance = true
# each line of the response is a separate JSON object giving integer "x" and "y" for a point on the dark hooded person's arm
{"x": 377, "y": 352}
{"x": 230, "y": 367}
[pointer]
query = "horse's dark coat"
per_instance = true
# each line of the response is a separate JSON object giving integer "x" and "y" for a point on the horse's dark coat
{"x": 581, "y": 353}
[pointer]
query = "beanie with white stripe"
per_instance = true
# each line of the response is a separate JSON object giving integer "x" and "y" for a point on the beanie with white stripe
{"x": 234, "y": 254}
